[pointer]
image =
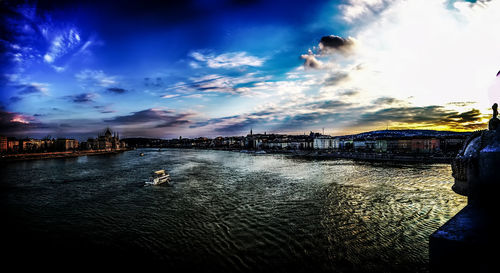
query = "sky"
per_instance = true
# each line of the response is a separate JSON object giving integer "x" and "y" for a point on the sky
{"x": 221, "y": 68}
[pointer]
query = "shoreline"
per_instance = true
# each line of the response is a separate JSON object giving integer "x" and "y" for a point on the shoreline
{"x": 53, "y": 155}
{"x": 375, "y": 157}
{"x": 331, "y": 155}
{"x": 309, "y": 155}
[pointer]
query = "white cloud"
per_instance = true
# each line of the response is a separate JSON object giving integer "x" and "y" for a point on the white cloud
{"x": 216, "y": 83}
{"x": 362, "y": 9}
{"x": 451, "y": 55}
{"x": 226, "y": 60}
{"x": 95, "y": 77}
{"x": 169, "y": 96}
{"x": 61, "y": 44}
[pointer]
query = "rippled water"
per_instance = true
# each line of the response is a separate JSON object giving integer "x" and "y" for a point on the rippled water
{"x": 226, "y": 211}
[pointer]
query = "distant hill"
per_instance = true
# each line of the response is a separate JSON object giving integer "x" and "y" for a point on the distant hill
{"x": 408, "y": 133}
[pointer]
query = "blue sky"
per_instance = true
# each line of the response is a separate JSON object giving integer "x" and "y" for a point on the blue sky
{"x": 209, "y": 68}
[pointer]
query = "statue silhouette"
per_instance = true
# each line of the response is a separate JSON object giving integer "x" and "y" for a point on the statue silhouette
{"x": 494, "y": 121}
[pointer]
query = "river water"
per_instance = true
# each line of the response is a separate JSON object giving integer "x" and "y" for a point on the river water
{"x": 225, "y": 212}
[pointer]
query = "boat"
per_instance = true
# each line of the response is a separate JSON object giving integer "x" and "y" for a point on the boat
{"x": 141, "y": 154}
{"x": 260, "y": 152}
{"x": 159, "y": 177}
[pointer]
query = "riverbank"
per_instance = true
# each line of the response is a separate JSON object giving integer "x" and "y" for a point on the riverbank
{"x": 377, "y": 157}
{"x": 51, "y": 155}
{"x": 405, "y": 158}
{"x": 361, "y": 156}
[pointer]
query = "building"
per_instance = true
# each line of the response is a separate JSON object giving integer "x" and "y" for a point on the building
{"x": 380, "y": 146}
{"x": 12, "y": 145}
{"x": 64, "y": 144}
{"x": 323, "y": 142}
{"x": 3, "y": 144}
{"x": 404, "y": 145}
{"x": 107, "y": 141}
{"x": 425, "y": 145}
{"x": 30, "y": 145}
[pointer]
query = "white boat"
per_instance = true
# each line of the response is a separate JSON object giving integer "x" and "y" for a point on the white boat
{"x": 159, "y": 177}
{"x": 260, "y": 152}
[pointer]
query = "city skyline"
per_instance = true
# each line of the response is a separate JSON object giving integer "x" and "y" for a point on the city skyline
{"x": 204, "y": 68}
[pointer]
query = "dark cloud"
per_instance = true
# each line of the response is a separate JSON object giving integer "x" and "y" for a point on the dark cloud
{"x": 211, "y": 121}
{"x": 386, "y": 101}
{"x": 326, "y": 105}
{"x": 152, "y": 117}
{"x": 348, "y": 93}
{"x": 277, "y": 119}
{"x": 15, "y": 99}
{"x": 241, "y": 126}
{"x": 427, "y": 116}
{"x": 469, "y": 116}
{"x": 336, "y": 78}
{"x": 461, "y": 103}
{"x": 104, "y": 109}
{"x": 26, "y": 89}
{"x": 116, "y": 90}
{"x": 82, "y": 98}
{"x": 332, "y": 43}
{"x": 153, "y": 82}
{"x": 15, "y": 124}
{"x": 327, "y": 45}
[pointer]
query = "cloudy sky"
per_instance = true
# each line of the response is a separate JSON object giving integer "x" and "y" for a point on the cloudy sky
{"x": 209, "y": 68}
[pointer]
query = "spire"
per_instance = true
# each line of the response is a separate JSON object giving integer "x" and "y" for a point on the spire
{"x": 107, "y": 132}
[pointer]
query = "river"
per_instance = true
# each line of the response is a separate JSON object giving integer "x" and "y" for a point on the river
{"x": 224, "y": 211}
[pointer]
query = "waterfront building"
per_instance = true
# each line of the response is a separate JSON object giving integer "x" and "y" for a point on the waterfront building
{"x": 364, "y": 145}
{"x": 370, "y": 145}
{"x": 451, "y": 145}
{"x": 3, "y": 144}
{"x": 30, "y": 145}
{"x": 323, "y": 142}
{"x": 381, "y": 145}
{"x": 346, "y": 144}
{"x": 424, "y": 145}
{"x": 404, "y": 145}
{"x": 65, "y": 144}
{"x": 90, "y": 144}
{"x": 108, "y": 141}
{"x": 392, "y": 145}
{"x": 359, "y": 144}
{"x": 336, "y": 143}
{"x": 12, "y": 144}
{"x": 48, "y": 145}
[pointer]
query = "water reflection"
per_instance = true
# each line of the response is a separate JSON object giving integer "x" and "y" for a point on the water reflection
{"x": 232, "y": 211}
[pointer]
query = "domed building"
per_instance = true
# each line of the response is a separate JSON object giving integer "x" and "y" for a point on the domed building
{"x": 107, "y": 141}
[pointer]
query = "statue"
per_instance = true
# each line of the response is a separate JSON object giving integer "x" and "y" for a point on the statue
{"x": 464, "y": 243}
{"x": 494, "y": 121}
{"x": 465, "y": 166}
